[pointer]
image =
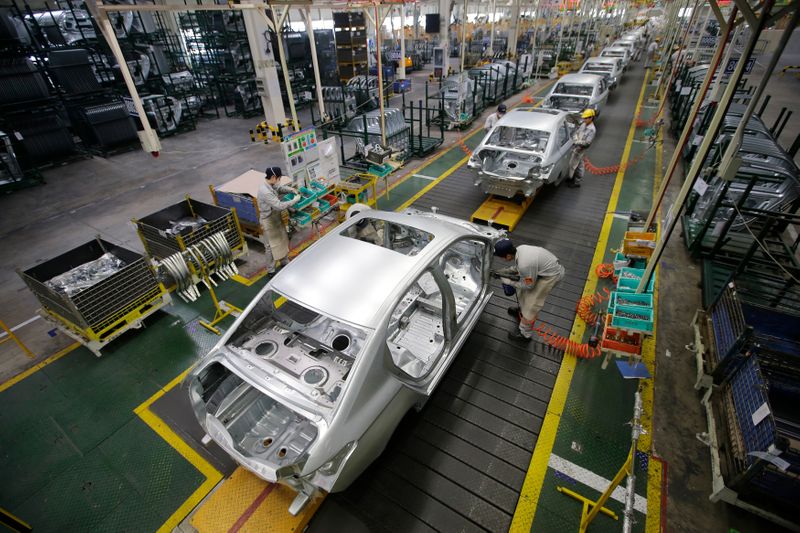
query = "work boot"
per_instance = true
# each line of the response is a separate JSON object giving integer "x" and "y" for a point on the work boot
{"x": 515, "y": 335}
{"x": 572, "y": 184}
{"x": 514, "y": 312}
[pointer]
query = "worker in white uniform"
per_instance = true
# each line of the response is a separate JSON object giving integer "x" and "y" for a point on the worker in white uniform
{"x": 270, "y": 206}
{"x": 581, "y": 140}
{"x": 492, "y": 119}
{"x": 651, "y": 53}
{"x": 535, "y": 273}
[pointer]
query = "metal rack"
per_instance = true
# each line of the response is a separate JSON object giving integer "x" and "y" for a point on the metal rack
{"x": 219, "y": 53}
{"x": 98, "y": 314}
{"x": 350, "y": 30}
{"x": 160, "y": 243}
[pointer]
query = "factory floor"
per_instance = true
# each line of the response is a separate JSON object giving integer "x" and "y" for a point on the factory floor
{"x": 104, "y": 444}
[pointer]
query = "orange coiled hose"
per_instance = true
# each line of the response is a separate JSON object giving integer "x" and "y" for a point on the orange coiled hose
{"x": 606, "y": 271}
{"x": 601, "y": 171}
{"x": 585, "y": 310}
{"x": 585, "y": 307}
{"x": 559, "y": 342}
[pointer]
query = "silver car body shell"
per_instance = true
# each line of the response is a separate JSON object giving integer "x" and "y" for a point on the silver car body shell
{"x": 359, "y": 284}
{"x": 617, "y": 51}
{"x": 575, "y": 104}
{"x": 517, "y": 170}
{"x": 596, "y": 65}
{"x": 629, "y": 44}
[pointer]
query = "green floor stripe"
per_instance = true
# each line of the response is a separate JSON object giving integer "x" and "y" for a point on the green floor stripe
{"x": 594, "y": 431}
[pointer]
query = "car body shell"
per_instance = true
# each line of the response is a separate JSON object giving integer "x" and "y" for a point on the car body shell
{"x": 262, "y": 393}
{"x": 629, "y": 44}
{"x": 617, "y": 51}
{"x": 593, "y": 89}
{"x": 610, "y": 68}
{"x": 520, "y": 165}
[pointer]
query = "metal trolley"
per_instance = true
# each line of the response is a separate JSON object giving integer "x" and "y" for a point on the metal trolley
{"x": 159, "y": 243}
{"x": 98, "y": 314}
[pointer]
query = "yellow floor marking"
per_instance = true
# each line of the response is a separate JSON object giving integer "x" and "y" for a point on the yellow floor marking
{"x": 35, "y": 368}
{"x": 232, "y": 501}
{"x": 273, "y": 515}
{"x": 532, "y": 486}
{"x": 213, "y": 476}
{"x": 654, "y": 469}
{"x": 653, "y": 521}
{"x": 226, "y": 504}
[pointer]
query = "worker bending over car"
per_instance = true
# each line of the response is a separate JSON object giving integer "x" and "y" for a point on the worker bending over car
{"x": 270, "y": 207}
{"x": 492, "y": 119}
{"x": 581, "y": 140}
{"x": 535, "y": 273}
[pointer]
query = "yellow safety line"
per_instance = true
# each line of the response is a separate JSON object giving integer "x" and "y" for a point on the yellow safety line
{"x": 532, "y": 486}
{"x": 213, "y": 476}
{"x": 35, "y": 368}
{"x": 654, "y": 468}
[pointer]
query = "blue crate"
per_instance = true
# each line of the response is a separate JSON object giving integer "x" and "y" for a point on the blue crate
{"x": 630, "y": 285}
{"x": 632, "y": 324}
{"x": 401, "y": 86}
{"x": 644, "y": 300}
{"x": 243, "y": 203}
{"x": 749, "y": 392}
{"x": 380, "y": 170}
{"x": 300, "y": 218}
{"x": 622, "y": 261}
{"x": 318, "y": 188}
{"x": 305, "y": 202}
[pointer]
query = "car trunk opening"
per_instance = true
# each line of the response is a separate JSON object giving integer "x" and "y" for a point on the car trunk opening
{"x": 270, "y": 437}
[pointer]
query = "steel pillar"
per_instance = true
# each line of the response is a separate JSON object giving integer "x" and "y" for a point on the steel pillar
{"x": 705, "y": 145}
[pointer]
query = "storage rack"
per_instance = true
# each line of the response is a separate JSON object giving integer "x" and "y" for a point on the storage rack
{"x": 172, "y": 96}
{"x": 33, "y": 117}
{"x": 100, "y": 313}
{"x": 350, "y": 31}
{"x": 160, "y": 244}
{"x": 301, "y": 71}
{"x": 219, "y": 53}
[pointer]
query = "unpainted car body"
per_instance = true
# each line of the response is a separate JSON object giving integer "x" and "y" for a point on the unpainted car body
{"x": 631, "y": 45}
{"x": 609, "y": 67}
{"x": 617, "y": 51}
{"x": 309, "y": 383}
{"x": 576, "y": 92}
{"x": 526, "y": 149}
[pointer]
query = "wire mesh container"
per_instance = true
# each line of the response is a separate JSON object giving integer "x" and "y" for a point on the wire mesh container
{"x": 97, "y": 302}
{"x": 186, "y": 223}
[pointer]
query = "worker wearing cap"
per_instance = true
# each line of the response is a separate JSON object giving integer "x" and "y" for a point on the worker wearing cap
{"x": 270, "y": 206}
{"x": 537, "y": 272}
{"x": 581, "y": 140}
{"x": 492, "y": 119}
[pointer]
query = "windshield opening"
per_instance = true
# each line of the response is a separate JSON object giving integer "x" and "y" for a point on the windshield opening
{"x": 605, "y": 67}
{"x": 572, "y": 88}
{"x": 520, "y": 138}
{"x": 396, "y": 237}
